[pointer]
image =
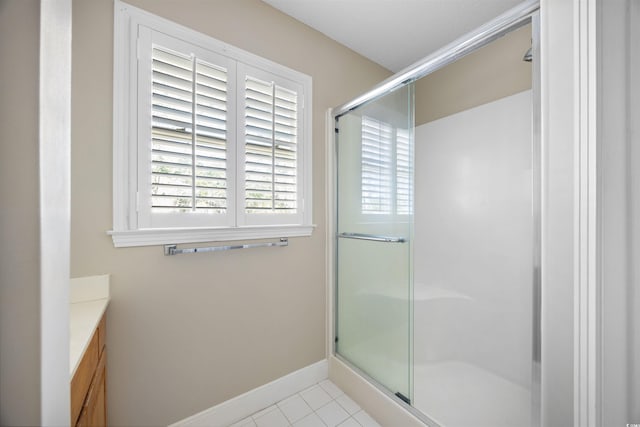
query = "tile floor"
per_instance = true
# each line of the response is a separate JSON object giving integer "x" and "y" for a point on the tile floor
{"x": 323, "y": 405}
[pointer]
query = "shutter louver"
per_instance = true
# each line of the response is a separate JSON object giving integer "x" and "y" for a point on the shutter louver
{"x": 188, "y": 168}
{"x": 270, "y": 148}
{"x": 377, "y": 166}
{"x": 171, "y": 116}
{"x": 211, "y": 139}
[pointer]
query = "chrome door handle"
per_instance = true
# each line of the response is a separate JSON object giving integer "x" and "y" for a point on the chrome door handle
{"x": 372, "y": 237}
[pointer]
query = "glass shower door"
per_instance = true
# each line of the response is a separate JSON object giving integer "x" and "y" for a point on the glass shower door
{"x": 374, "y": 226}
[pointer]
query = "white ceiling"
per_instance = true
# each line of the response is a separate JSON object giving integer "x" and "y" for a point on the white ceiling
{"x": 393, "y": 33}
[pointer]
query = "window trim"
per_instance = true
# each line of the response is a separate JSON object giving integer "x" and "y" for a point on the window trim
{"x": 125, "y": 231}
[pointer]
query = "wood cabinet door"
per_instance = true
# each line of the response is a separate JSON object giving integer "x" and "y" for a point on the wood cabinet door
{"x": 94, "y": 412}
{"x": 88, "y": 386}
{"x": 98, "y": 412}
{"x": 81, "y": 382}
{"x": 83, "y": 419}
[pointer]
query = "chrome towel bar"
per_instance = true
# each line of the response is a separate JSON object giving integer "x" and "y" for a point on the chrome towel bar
{"x": 174, "y": 250}
{"x": 372, "y": 237}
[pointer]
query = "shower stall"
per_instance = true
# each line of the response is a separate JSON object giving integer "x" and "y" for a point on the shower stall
{"x": 437, "y": 230}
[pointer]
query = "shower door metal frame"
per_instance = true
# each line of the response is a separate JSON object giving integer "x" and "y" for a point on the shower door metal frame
{"x": 523, "y": 14}
{"x": 485, "y": 34}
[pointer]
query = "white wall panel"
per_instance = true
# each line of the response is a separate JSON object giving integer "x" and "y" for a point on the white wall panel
{"x": 473, "y": 265}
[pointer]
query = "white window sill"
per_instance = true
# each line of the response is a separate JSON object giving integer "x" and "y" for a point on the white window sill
{"x": 167, "y": 236}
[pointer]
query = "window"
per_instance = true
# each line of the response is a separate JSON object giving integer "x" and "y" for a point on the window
{"x": 210, "y": 142}
{"x": 386, "y": 173}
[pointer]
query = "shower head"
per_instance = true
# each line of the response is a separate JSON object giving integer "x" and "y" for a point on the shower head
{"x": 528, "y": 57}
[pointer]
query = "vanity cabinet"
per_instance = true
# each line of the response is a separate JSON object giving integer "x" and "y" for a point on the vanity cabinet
{"x": 88, "y": 386}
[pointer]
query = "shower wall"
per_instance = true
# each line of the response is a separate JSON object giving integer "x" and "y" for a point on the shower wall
{"x": 473, "y": 243}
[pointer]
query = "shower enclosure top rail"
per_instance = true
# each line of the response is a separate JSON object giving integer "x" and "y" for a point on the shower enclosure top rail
{"x": 494, "y": 29}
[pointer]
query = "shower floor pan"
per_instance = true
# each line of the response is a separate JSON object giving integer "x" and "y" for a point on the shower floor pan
{"x": 458, "y": 394}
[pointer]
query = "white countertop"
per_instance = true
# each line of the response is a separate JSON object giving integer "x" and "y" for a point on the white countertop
{"x": 89, "y": 300}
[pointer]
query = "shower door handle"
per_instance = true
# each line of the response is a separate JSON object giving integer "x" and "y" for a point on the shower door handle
{"x": 372, "y": 237}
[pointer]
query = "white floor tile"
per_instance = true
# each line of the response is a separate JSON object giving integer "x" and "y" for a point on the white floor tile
{"x": 316, "y": 397}
{"x": 295, "y": 408}
{"x": 332, "y": 414}
{"x": 247, "y": 422}
{"x": 331, "y": 389}
{"x": 350, "y": 422}
{"x": 348, "y": 404}
{"x": 365, "y": 420}
{"x": 274, "y": 418}
{"x": 311, "y": 420}
{"x": 323, "y": 405}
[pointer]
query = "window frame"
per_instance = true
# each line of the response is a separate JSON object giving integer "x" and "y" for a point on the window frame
{"x": 126, "y": 147}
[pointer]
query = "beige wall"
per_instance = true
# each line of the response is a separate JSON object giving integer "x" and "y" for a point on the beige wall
{"x": 19, "y": 223}
{"x": 188, "y": 332}
{"x": 490, "y": 73}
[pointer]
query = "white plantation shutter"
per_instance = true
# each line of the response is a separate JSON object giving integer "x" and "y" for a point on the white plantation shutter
{"x": 188, "y": 169}
{"x": 211, "y": 138}
{"x": 172, "y": 132}
{"x": 259, "y": 146}
{"x": 271, "y": 148}
{"x": 210, "y": 142}
{"x": 285, "y": 150}
{"x": 184, "y": 172}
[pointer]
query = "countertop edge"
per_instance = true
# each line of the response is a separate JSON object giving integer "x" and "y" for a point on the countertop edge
{"x": 90, "y": 316}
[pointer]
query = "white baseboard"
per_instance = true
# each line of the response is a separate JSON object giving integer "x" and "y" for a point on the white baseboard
{"x": 242, "y": 406}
